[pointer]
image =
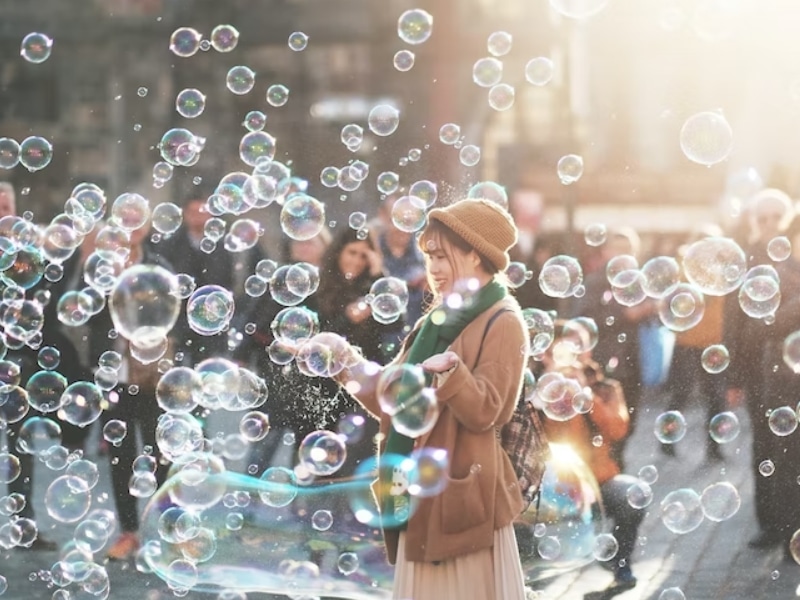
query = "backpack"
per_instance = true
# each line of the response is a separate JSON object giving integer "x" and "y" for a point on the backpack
{"x": 524, "y": 440}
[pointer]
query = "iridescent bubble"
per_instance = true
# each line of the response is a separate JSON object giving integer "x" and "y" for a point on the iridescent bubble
{"x": 35, "y": 153}
{"x": 715, "y": 358}
{"x": 595, "y": 234}
{"x": 487, "y": 72}
{"x": 570, "y": 168}
{"x": 27, "y": 269}
{"x": 81, "y": 403}
{"x": 469, "y": 155}
{"x": 409, "y": 214}
{"x": 224, "y": 38}
{"x": 403, "y": 60}
{"x": 179, "y": 390}
{"x": 706, "y": 138}
{"x": 347, "y": 563}
{"x": 190, "y": 103}
{"x": 85, "y": 470}
{"x": 302, "y": 217}
{"x": 560, "y": 276}
{"x": 60, "y": 242}
{"x": 489, "y": 190}
{"x": 449, "y": 133}
{"x": 425, "y": 190}
{"x": 280, "y": 290}
{"x": 760, "y": 293}
{"x": 322, "y": 453}
{"x": 724, "y": 427}
{"x": 539, "y": 70}
{"x": 388, "y": 182}
{"x": 9, "y": 467}
{"x": 581, "y": 333}
{"x": 557, "y": 395}
{"x": 352, "y": 135}
{"x": 144, "y": 304}
{"x": 716, "y": 265}
{"x": 681, "y": 511}
{"x": 37, "y": 435}
{"x": 605, "y": 547}
{"x": 130, "y": 211}
{"x": 417, "y": 415}
{"x": 298, "y": 41}
{"x": 628, "y": 287}
{"x": 22, "y": 319}
{"x": 720, "y": 501}
{"x": 294, "y": 325}
{"x": 428, "y": 477}
{"x": 174, "y": 146}
{"x": 114, "y": 431}
{"x": 397, "y": 384}
{"x": 415, "y": 26}
{"x": 45, "y": 390}
{"x": 256, "y": 147}
{"x": 549, "y": 547}
{"x": 255, "y": 120}
{"x": 279, "y": 487}
{"x": 766, "y": 468}
{"x": 185, "y": 42}
{"x": 383, "y": 120}
{"x": 501, "y": 96}
{"x": 541, "y": 329}
{"x": 240, "y": 80}
{"x": 779, "y": 248}
{"x": 672, "y": 593}
{"x": 639, "y": 495}
{"x": 167, "y": 218}
{"x": 179, "y": 435}
{"x": 661, "y": 276}
{"x": 683, "y": 308}
{"x": 254, "y": 426}
{"x": 36, "y": 47}
{"x": 499, "y": 43}
{"x": 277, "y": 95}
{"x": 783, "y": 421}
{"x": 68, "y": 499}
{"x": 209, "y": 309}
{"x": 9, "y": 153}
{"x": 670, "y": 427}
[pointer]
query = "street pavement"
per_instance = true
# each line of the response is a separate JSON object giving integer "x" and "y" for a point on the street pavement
{"x": 709, "y": 563}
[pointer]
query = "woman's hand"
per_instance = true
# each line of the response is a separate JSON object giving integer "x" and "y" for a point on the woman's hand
{"x": 375, "y": 263}
{"x": 441, "y": 363}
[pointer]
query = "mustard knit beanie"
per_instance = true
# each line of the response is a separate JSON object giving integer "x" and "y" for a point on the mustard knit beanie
{"x": 483, "y": 224}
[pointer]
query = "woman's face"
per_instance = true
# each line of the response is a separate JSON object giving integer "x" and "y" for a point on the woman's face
{"x": 353, "y": 259}
{"x": 447, "y": 266}
{"x": 309, "y": 251}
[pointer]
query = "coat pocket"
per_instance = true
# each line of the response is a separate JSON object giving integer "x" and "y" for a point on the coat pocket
{"x": 462, "y": 504}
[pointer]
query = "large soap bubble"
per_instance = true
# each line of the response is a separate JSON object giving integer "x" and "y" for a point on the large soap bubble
{"x": 706, "y": 138}
{"x": 145, "y": 304}
{"x": 716, "y": 265}
{"x": 302, "y": 217}
{"x": 209, "y": 309}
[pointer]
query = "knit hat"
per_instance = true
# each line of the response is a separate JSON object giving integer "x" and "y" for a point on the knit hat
{"x": 483, "y": 224}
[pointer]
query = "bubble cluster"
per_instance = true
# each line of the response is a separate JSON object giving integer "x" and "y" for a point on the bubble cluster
{"x": 561, "y": 276}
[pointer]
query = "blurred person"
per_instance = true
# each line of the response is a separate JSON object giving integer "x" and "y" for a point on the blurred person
{"x": 686, "y": 371}
{"x": 460, "y": 542}
{"x": 617, "y": 350}
{"x": 758, "y": 376}
{"x": 132, "y": 401}
{"x": 530, "y": 294}
{"x": 608, "y": 418}
{"x": 53, "y": 334}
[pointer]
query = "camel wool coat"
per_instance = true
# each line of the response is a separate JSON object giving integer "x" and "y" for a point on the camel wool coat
{"x": 482, "y": 492}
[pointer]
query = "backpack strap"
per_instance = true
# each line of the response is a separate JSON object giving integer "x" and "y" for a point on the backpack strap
{"x": 491, "y": 320}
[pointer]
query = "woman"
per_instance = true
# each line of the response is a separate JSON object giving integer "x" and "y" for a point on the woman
{"x": 459, "y": 543}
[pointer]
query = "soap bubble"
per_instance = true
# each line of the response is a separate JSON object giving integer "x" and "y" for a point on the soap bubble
{"x": 27, "y": 268}
{"x": 595, "y": 234}
{"x": 541, "y": 329}
{"x": 499, "y": 43}
{"x": 277, "y": 95}
{"x": 779, "y": 248}
{"x": 581, "y": 333}
{"x": 254, "y": 426}
{"x": 9, "y": 467}
{"x": 190, "y": 103}
{"x": 706, "y": 138}
{"x": 487, "y": 72}
{"x": 185, "y": 42}
{"x": 469, "y": 155}
{"x": 178, "y": 434}
{"x": 36, "y": 47}
{"x": 37, "y": 435}
{"x": 45, "y": 390}
{"x": 240, "y": 80}
{"x": 670, "y": 427}
{"x": 279, "y": 489}
{"x": 716, "y": 265}
{"x": 224, "y": 38}
{"x": 322, "y": 453}
{"x": 302, "y": 217}
{"x": 167, "y": 218}
{"x": 294, "y": 325}
{"x": 415, "y": 26}
{"x": 178, "y": 390}
{"x": 715, "y": 358}
{"x": 628, "y": 287}
{"x": 766, "y": 468}
{"x": 403, "y": 60}
{"x": 85, "y": 470}
{"x": 9, "y": 153}
{"x": 144, "y": 304}
{"x": 257, "y": 147}
{"x": 539, "y": 70}
{"x": 661, "y": 276}
{"x": 672, "y": 593}
{"x": 114, "y": 431}
{"x": 605, "y": 547}
{"x": 720, "y": 501}
{"x": 68, "y": 499}
{"x": 408, "y": 214}
{"x": 560, "y": 276}
{"x": 255, "y": 120}
{"x": 298, "y": 41}
{"x": 683, "y": 308}
{"x": 489, "y": 190}
{"x": 681, "y": 511}
{"x": 81, "y": 403}
{"x": 209, "y": 309}
{"x": 760, "y": 293}
{"x": 179, "y": 146}
{"x": 501, "y": 96}
{"x": 570, "y": 168}
{"x": 449, "y": 133}
{"x": 791, "y": 351}
{"x": 383, "y": 120}
{"x": 35, "y": 153}
{"x": 417, "y": 415}
{"x": 782, "y": 421}
{"x": 724, "y": 427}
{"x": 397, "y": 384}
{"x": 639, "y": 495}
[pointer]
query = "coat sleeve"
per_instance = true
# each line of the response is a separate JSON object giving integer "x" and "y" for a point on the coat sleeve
{"x": 487, "y": 396}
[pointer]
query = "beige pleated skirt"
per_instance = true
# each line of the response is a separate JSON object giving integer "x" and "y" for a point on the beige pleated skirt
{"x": 491, "y": 574}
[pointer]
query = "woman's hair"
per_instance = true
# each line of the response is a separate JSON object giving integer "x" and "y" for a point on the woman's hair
{"x": 437, "y": 235}
{"x": 333, "y": 287}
